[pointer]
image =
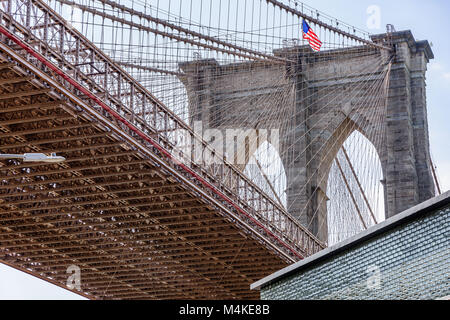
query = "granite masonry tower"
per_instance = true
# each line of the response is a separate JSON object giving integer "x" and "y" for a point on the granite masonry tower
{"x": 400, "y": 135}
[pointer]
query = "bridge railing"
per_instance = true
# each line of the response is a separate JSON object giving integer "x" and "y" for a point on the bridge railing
{"x": 48, "y": 34}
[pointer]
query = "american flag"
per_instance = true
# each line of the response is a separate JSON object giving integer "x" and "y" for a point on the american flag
{"x": 312, "y": 38}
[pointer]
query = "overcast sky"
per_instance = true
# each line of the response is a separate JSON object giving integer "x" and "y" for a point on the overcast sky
{"x": 426, "y": 19}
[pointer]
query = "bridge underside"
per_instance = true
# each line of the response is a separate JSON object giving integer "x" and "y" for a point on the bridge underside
{"x": 135, "y": 231}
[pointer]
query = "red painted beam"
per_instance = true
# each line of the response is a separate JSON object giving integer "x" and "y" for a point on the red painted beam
{"x": 118, "y": 117}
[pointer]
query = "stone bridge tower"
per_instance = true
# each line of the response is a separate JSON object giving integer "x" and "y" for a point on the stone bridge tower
{"x": 400, "y": 136}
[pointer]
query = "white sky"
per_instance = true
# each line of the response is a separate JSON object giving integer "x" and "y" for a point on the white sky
{"x": 15, "y": 284}
{"x": 427, "y": 20}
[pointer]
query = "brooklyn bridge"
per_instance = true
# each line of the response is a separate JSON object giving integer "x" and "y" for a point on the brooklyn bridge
{"x": 199, "y": 146}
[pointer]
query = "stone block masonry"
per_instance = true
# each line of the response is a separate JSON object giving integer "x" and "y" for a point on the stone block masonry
{"x": 317, "y": 90}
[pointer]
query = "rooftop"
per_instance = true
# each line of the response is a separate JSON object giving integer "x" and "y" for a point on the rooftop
{"x": 401, "y": 218}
